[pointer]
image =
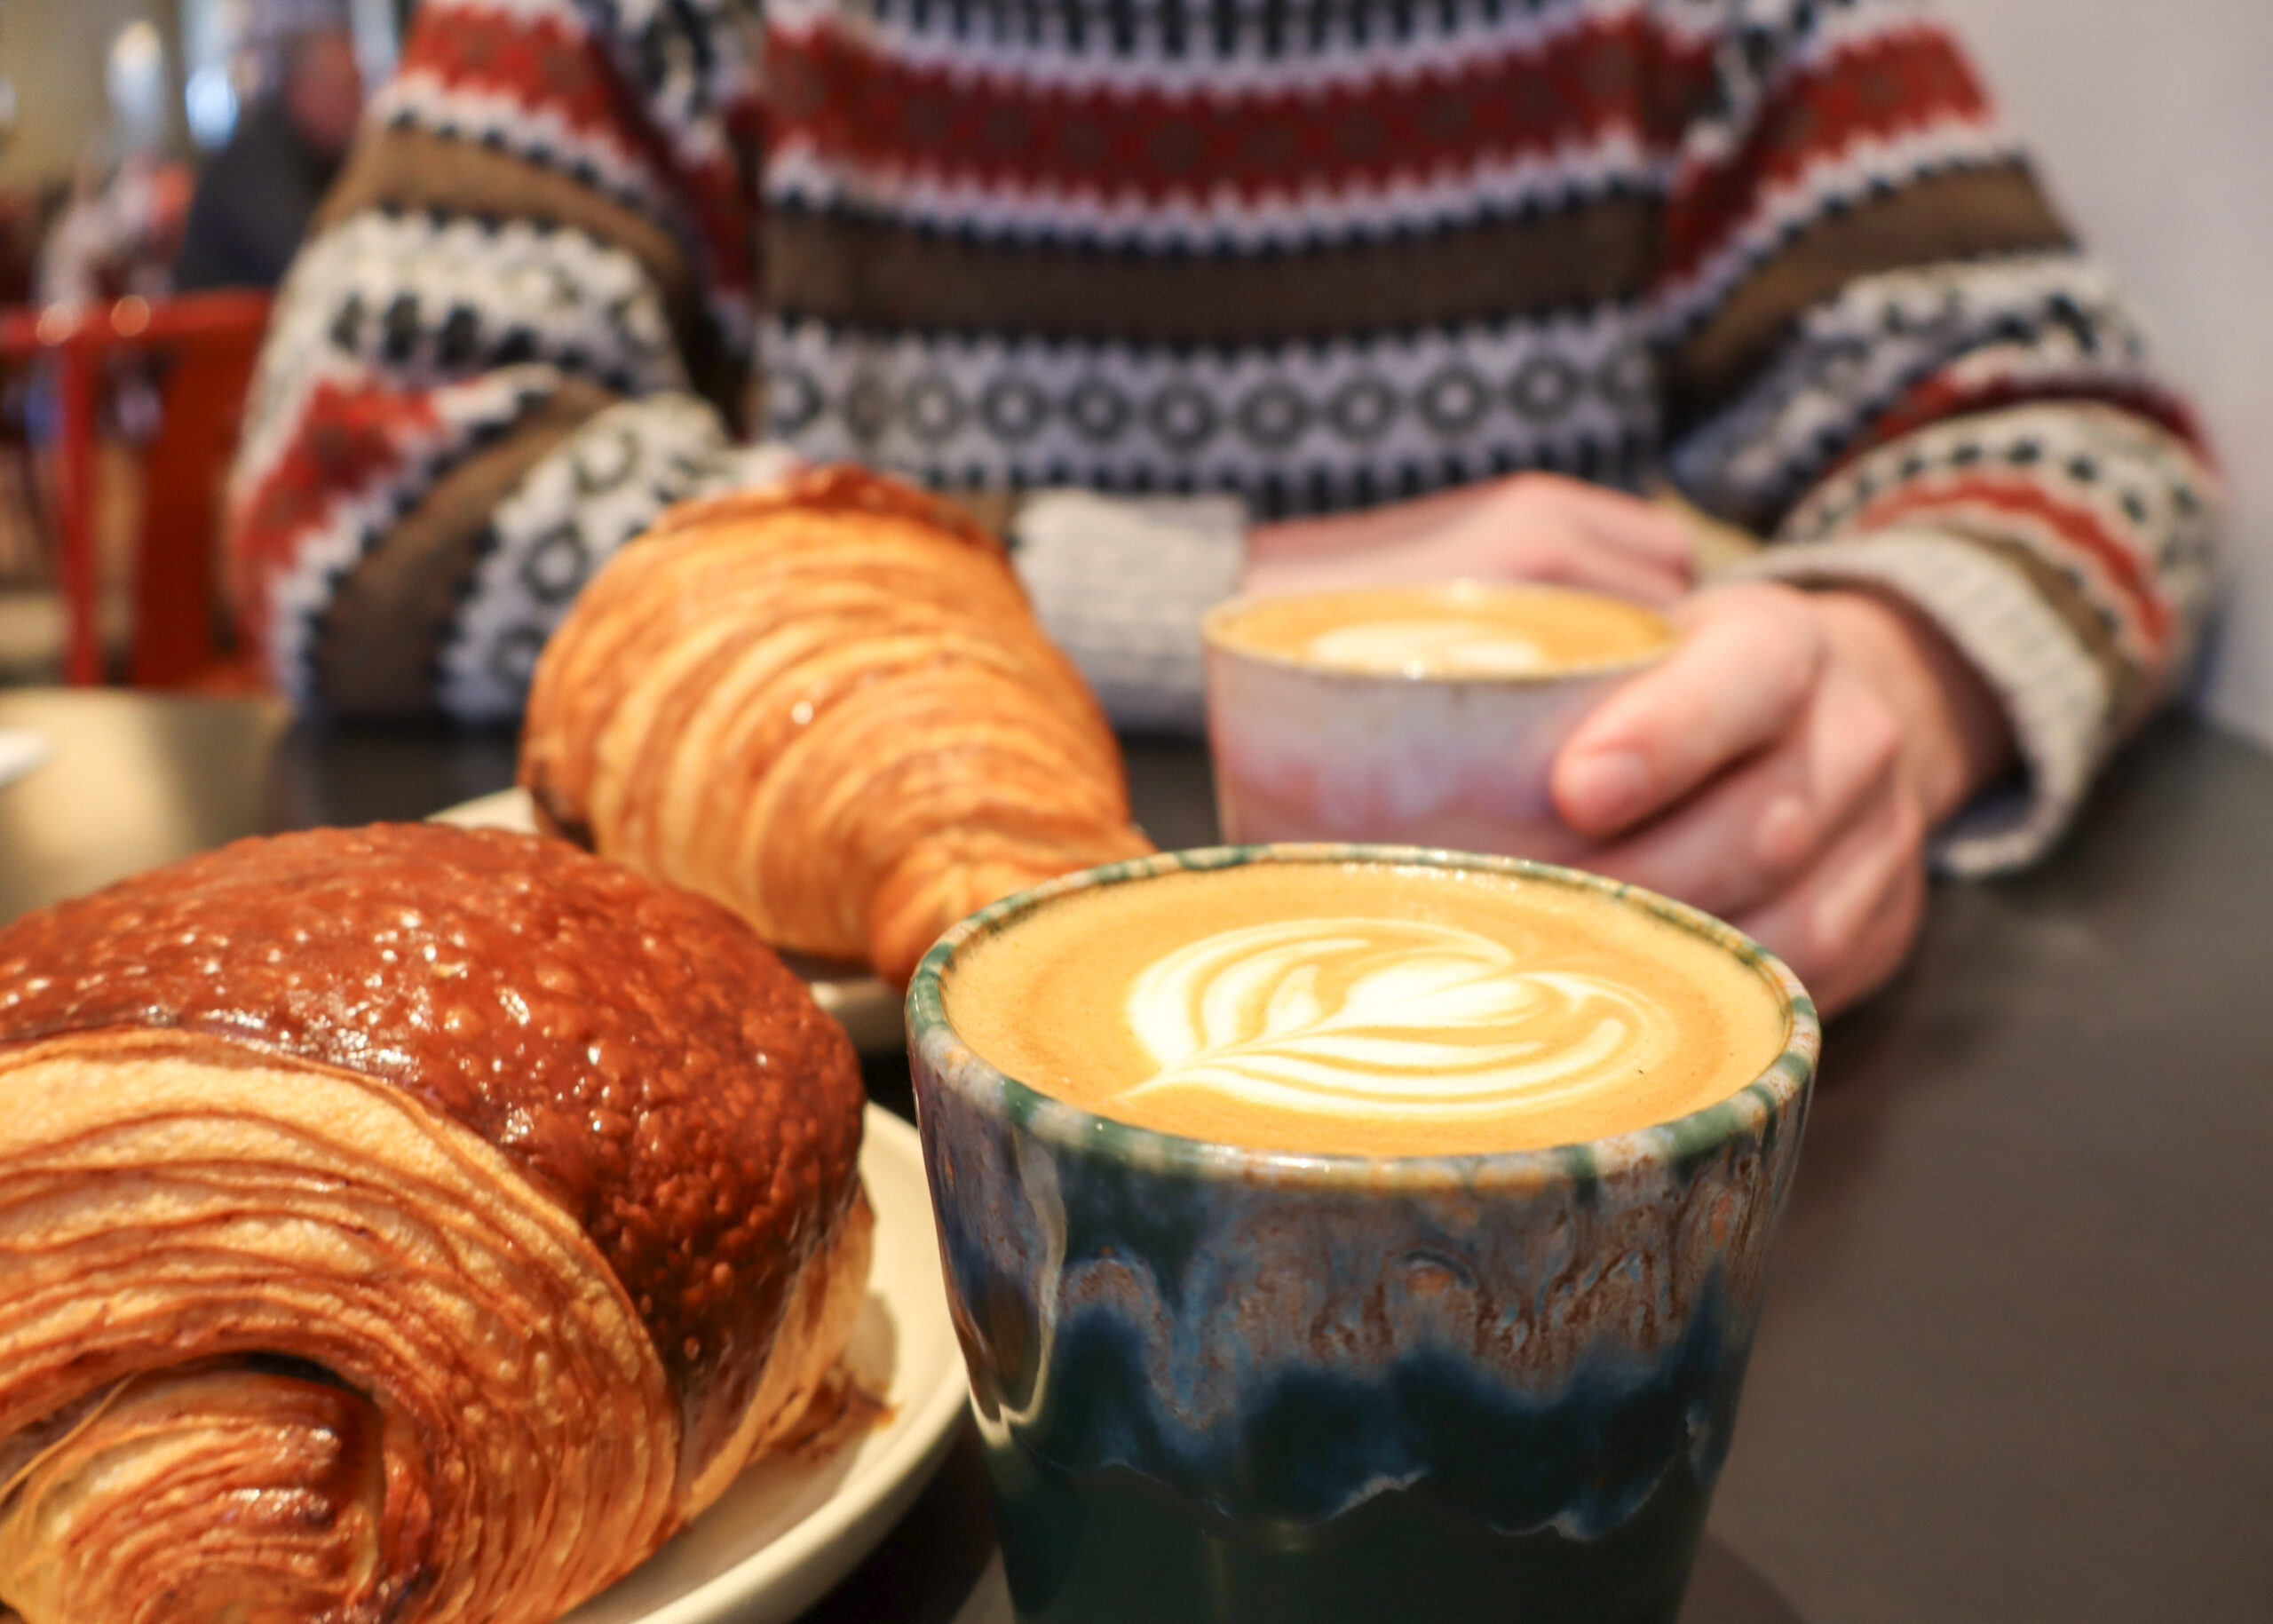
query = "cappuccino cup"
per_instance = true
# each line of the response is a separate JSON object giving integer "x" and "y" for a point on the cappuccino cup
{"x": 1340, "y": 1233}
{"x": 1425, "y": 714}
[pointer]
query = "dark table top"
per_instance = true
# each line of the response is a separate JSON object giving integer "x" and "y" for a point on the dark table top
{"x": 2016, "y": 1361}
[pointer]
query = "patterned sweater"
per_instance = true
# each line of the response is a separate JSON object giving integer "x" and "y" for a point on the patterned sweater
{"x": 1087, "y": 260}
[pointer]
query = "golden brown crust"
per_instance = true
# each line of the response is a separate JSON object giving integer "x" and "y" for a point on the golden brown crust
{"x": 828, "y": 705}
{"x": 842, "y": 489}
{"x": 633, "y": 1050}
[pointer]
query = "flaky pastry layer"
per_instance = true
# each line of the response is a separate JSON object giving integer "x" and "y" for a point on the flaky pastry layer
{"x": 177, "y": 1217}
{"x": 828, "y": 707}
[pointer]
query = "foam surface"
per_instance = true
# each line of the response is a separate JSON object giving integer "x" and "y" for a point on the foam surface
{"x": 1369, "y": 1009}
{"x": 1456, "y": 630}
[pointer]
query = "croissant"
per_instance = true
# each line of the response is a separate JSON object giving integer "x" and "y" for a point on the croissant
{"x": 826, "y": 705}
{"x": 403, "y": 1224}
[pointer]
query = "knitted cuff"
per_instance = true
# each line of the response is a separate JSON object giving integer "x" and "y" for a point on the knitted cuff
{"x": 2055, "y": 694}
{"x": 1121, "y": 584}
{"x": 742, "y": 468}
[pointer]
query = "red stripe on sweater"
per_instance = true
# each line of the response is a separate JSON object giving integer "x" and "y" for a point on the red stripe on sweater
{"x": 1943, "y": 397}
{"x": 546, "y": 66}
{"x": 834, "y": 95}
{"x": 2076, "y": 525}
{"x": 541, "y": 63}
{"x": 349, "y": 441}
{"x": 1875, "y": 89}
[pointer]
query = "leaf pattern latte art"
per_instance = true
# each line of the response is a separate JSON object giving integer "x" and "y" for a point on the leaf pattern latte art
{"x": 1356, "y": 1017}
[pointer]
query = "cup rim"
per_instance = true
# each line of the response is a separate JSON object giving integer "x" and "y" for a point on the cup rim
{"x": 1779, "y": 1087}
{"x": 1219, "y": 614}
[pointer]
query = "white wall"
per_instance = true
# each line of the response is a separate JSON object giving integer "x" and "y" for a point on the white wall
{"x": 2154, "y": 123}
{"x": 52, "y": 52}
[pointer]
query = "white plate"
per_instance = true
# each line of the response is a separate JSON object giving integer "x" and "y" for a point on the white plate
{"x": 866, "y": 1008}
{"x": 788, "y": 1530}
{"x": 19, "y": 752}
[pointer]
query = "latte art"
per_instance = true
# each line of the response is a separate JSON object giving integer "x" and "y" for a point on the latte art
{"x": 1461, "y": 630}
{"x": 1364, "y": 1008}
{"x": 1362, "y": 1017}
{"x": 1446, "y": 647}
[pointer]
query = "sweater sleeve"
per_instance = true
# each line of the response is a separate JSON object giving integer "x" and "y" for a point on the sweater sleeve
{"x": 1121, "y": 584}
{"x": 1885, "y": 352}
{"x": 519, "y": 327}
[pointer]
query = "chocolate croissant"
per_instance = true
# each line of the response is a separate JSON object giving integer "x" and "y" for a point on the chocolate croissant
{"x": 828, "y": 705}
{"x": 402, "y": 1224}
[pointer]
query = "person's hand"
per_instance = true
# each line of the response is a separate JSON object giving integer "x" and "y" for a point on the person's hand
{"x": 1782, "y": 769}
{"x": 1529, "y": 526}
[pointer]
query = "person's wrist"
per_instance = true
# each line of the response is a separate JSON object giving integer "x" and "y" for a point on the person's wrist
{"x": 1957, "y": 738}
{"x": 1306, "y": 556}
{"x": 1266, "y": 551}
{"x": 1300, "y": 555}
{"x": 1366, "y": 547}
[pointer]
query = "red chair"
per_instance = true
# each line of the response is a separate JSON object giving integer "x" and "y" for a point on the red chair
{"x": 211, "y": 342}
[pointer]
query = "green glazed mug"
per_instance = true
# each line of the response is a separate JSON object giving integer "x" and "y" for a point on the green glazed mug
{"x": 1256, "y": 1387}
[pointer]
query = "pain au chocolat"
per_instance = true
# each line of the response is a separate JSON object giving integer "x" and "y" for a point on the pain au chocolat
{"x": 827, "y": 705}
{"x": 401, "y": 1225}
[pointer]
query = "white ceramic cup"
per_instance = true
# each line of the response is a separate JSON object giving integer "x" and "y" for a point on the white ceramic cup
{"x": 1309, "y": 748}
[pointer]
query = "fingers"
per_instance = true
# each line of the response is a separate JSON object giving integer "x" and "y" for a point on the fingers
{"x": 1523, "y": 527}
{"x": 1584, "y": 535}
{"x": 1751, "y": 834}
{"x": 1568, "y": 557}
{"x": 1777, "y": 769}
{"x": 1847, "y": 925}
{"x": 1737, "y": 683}
{"x": 1611, "y": 518}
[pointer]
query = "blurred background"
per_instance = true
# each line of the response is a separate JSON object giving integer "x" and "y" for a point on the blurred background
{"x": 91, "y": 76}
{"x": 2151, "y": 120}
{"x": 148, "y": 148}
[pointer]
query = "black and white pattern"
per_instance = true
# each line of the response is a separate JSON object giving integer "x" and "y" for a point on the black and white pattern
{"x": 2151, "y": 497}
{"x": 1289, "y": 427}
{"x": 410, "y": 303}
{"x": 2064, "y": 709}
{"x": 567, "y": 518}
{"x": 505, "y": 122}
{"x": 467, "y": 416}
{"x": 418, "y": 299}
{"x": 2043, "y": 322}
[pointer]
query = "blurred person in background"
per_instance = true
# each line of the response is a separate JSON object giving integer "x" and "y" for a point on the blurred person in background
{"x": 258, "y": 193}
{"x": 1397, "y": 292}
{"x": 121, "y": 228}
{"x": 118, "y": 233}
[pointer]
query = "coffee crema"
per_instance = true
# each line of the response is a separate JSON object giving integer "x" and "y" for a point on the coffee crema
{"x": 1460, "y": 628}
{"x": 1365, "y": 1008}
